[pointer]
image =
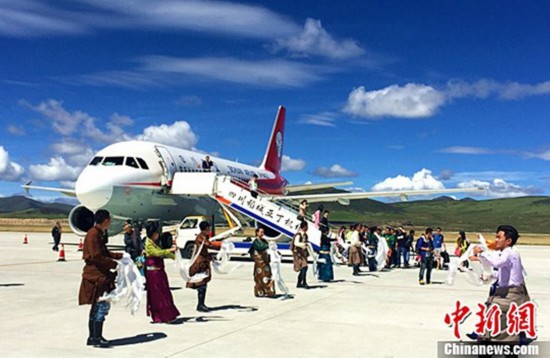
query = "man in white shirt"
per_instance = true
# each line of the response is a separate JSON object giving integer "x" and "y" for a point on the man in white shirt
{"x": 510, "y": 285}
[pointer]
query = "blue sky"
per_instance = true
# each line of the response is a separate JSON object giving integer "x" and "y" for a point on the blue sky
{"x": 389, "y": 95}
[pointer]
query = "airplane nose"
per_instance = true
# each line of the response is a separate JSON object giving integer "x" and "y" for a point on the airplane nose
{"x": 92, "y": 192}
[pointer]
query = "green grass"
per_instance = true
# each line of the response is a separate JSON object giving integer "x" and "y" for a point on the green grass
{"x": 32, "y": 214}
{"x": 527, "y": 214}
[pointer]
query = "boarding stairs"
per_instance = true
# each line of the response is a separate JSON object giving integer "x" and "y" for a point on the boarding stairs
{"x": 277, "y": 215}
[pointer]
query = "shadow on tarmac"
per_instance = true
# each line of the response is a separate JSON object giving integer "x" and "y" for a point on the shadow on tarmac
{"x": 313, "y": 287}
{"x": 233, "y": 307}
{"x": 199, "y": 319}
{"x": 140, "y": 338}
{"x": 353, "y": 281}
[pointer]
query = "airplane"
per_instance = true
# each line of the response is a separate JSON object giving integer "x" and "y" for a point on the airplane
{"x": 132, "y": 180}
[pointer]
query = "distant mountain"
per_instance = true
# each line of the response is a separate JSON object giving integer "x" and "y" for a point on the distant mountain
{"x": 66, "y": 200}
{"x": 13, "y": 206}
{"x": 528, "y": 214}
{"x": 443, "y": 198}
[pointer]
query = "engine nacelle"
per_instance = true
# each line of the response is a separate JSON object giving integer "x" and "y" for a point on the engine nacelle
{"x": 81, "y": 219}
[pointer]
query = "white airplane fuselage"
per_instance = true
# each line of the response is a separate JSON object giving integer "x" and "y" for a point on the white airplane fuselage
{"x": 130, "y": 180}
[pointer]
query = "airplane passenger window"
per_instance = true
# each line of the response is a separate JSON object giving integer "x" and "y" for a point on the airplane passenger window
{"x": 96, "y": 160}
{"x": 109, "y": 161}
{"x": 131, "y": 162}
{"x": 142, "y": 163}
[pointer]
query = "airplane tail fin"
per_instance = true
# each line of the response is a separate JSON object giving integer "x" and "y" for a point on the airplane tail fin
{"x": 274, "y": 153}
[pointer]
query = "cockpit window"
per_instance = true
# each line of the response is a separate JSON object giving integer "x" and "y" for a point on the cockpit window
{"x": 131, "y": 162}
{"x": 142, "y": 163}
{"x": 109, "y": 161}
{"x": 96, "y": 160}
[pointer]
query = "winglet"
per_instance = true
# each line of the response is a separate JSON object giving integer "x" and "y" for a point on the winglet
{"x": 27, "y": 186}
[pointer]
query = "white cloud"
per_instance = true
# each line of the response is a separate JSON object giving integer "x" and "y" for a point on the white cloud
{"x": 486, "y": 87}
{"x": 56, "y": 169}
{"x": 74, "y": 152}
{"x": 421, "y": 180}
{"x": 9, "y": 171}
{"x": 179, "y": 134}
{"x": 335, "y": 171}
{"x": 30, "y": 18}
{"x": 63, "y": 121}
{"x": 189, "y": 101}
{"x": 124, "y": 79}
{"x": 355, "y": 189}
{"x": 224, "y": 18}
{"x": 15, "y": 130}
{"x": 315, "y": 40}
{"x": 77, "y": 122}
{"x": 410, "y": 101}
{"x": 491, "y": 174}
{"x": 266, "y": 73}
{"x": 419, "y": 100}
{"x": 68, "y": 184}
{"x": 544, "y": 155}
{"x": 541, "y": 154}
{"x": 499, "y": 188}
{"x": 324, "y": 119}
{"x": 445, "y": 174}
{"x": 466, "y": 150}
{"x": 292, "y": 165}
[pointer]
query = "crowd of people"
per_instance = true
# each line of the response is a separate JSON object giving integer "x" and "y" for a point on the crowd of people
{"x": 358, "y": 245}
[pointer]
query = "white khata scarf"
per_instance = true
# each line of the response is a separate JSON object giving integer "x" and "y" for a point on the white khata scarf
{"x": 129, "y": 284}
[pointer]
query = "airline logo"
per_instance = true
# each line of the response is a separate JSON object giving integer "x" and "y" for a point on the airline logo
{"x": 279, "y": 144}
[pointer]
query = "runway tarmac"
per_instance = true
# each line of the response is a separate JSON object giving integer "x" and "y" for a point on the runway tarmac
{"x": 384, "y": 314}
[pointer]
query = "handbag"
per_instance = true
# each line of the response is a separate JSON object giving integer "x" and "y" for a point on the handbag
{"x": 457, "y": 251}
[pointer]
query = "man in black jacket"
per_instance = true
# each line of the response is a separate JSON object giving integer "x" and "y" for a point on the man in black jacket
{"x": 56, "y": 235}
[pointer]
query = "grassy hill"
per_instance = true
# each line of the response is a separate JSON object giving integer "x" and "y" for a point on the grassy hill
{"x": 26, "y": 208}
{"x": 528, "y": 214}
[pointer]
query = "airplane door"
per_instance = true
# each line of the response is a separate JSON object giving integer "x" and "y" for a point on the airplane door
{"x": 168, "y": 164}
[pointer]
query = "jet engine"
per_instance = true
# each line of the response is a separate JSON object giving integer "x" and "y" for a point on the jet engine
{"x": 81, "y": 219}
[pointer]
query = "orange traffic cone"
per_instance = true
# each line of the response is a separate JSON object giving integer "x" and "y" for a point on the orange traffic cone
{"x": 62, "y": 253}
{"x": 25, "y": 241}
{"x": 80, "y": 246}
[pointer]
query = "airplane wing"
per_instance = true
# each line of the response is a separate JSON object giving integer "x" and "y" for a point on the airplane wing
{"x": 307, "y": 187}
{"x": 68, "y": 192}
{"x": 344, "y": 198}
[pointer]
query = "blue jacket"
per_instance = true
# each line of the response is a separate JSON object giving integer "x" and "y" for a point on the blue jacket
{"x": 423, "y": 242}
